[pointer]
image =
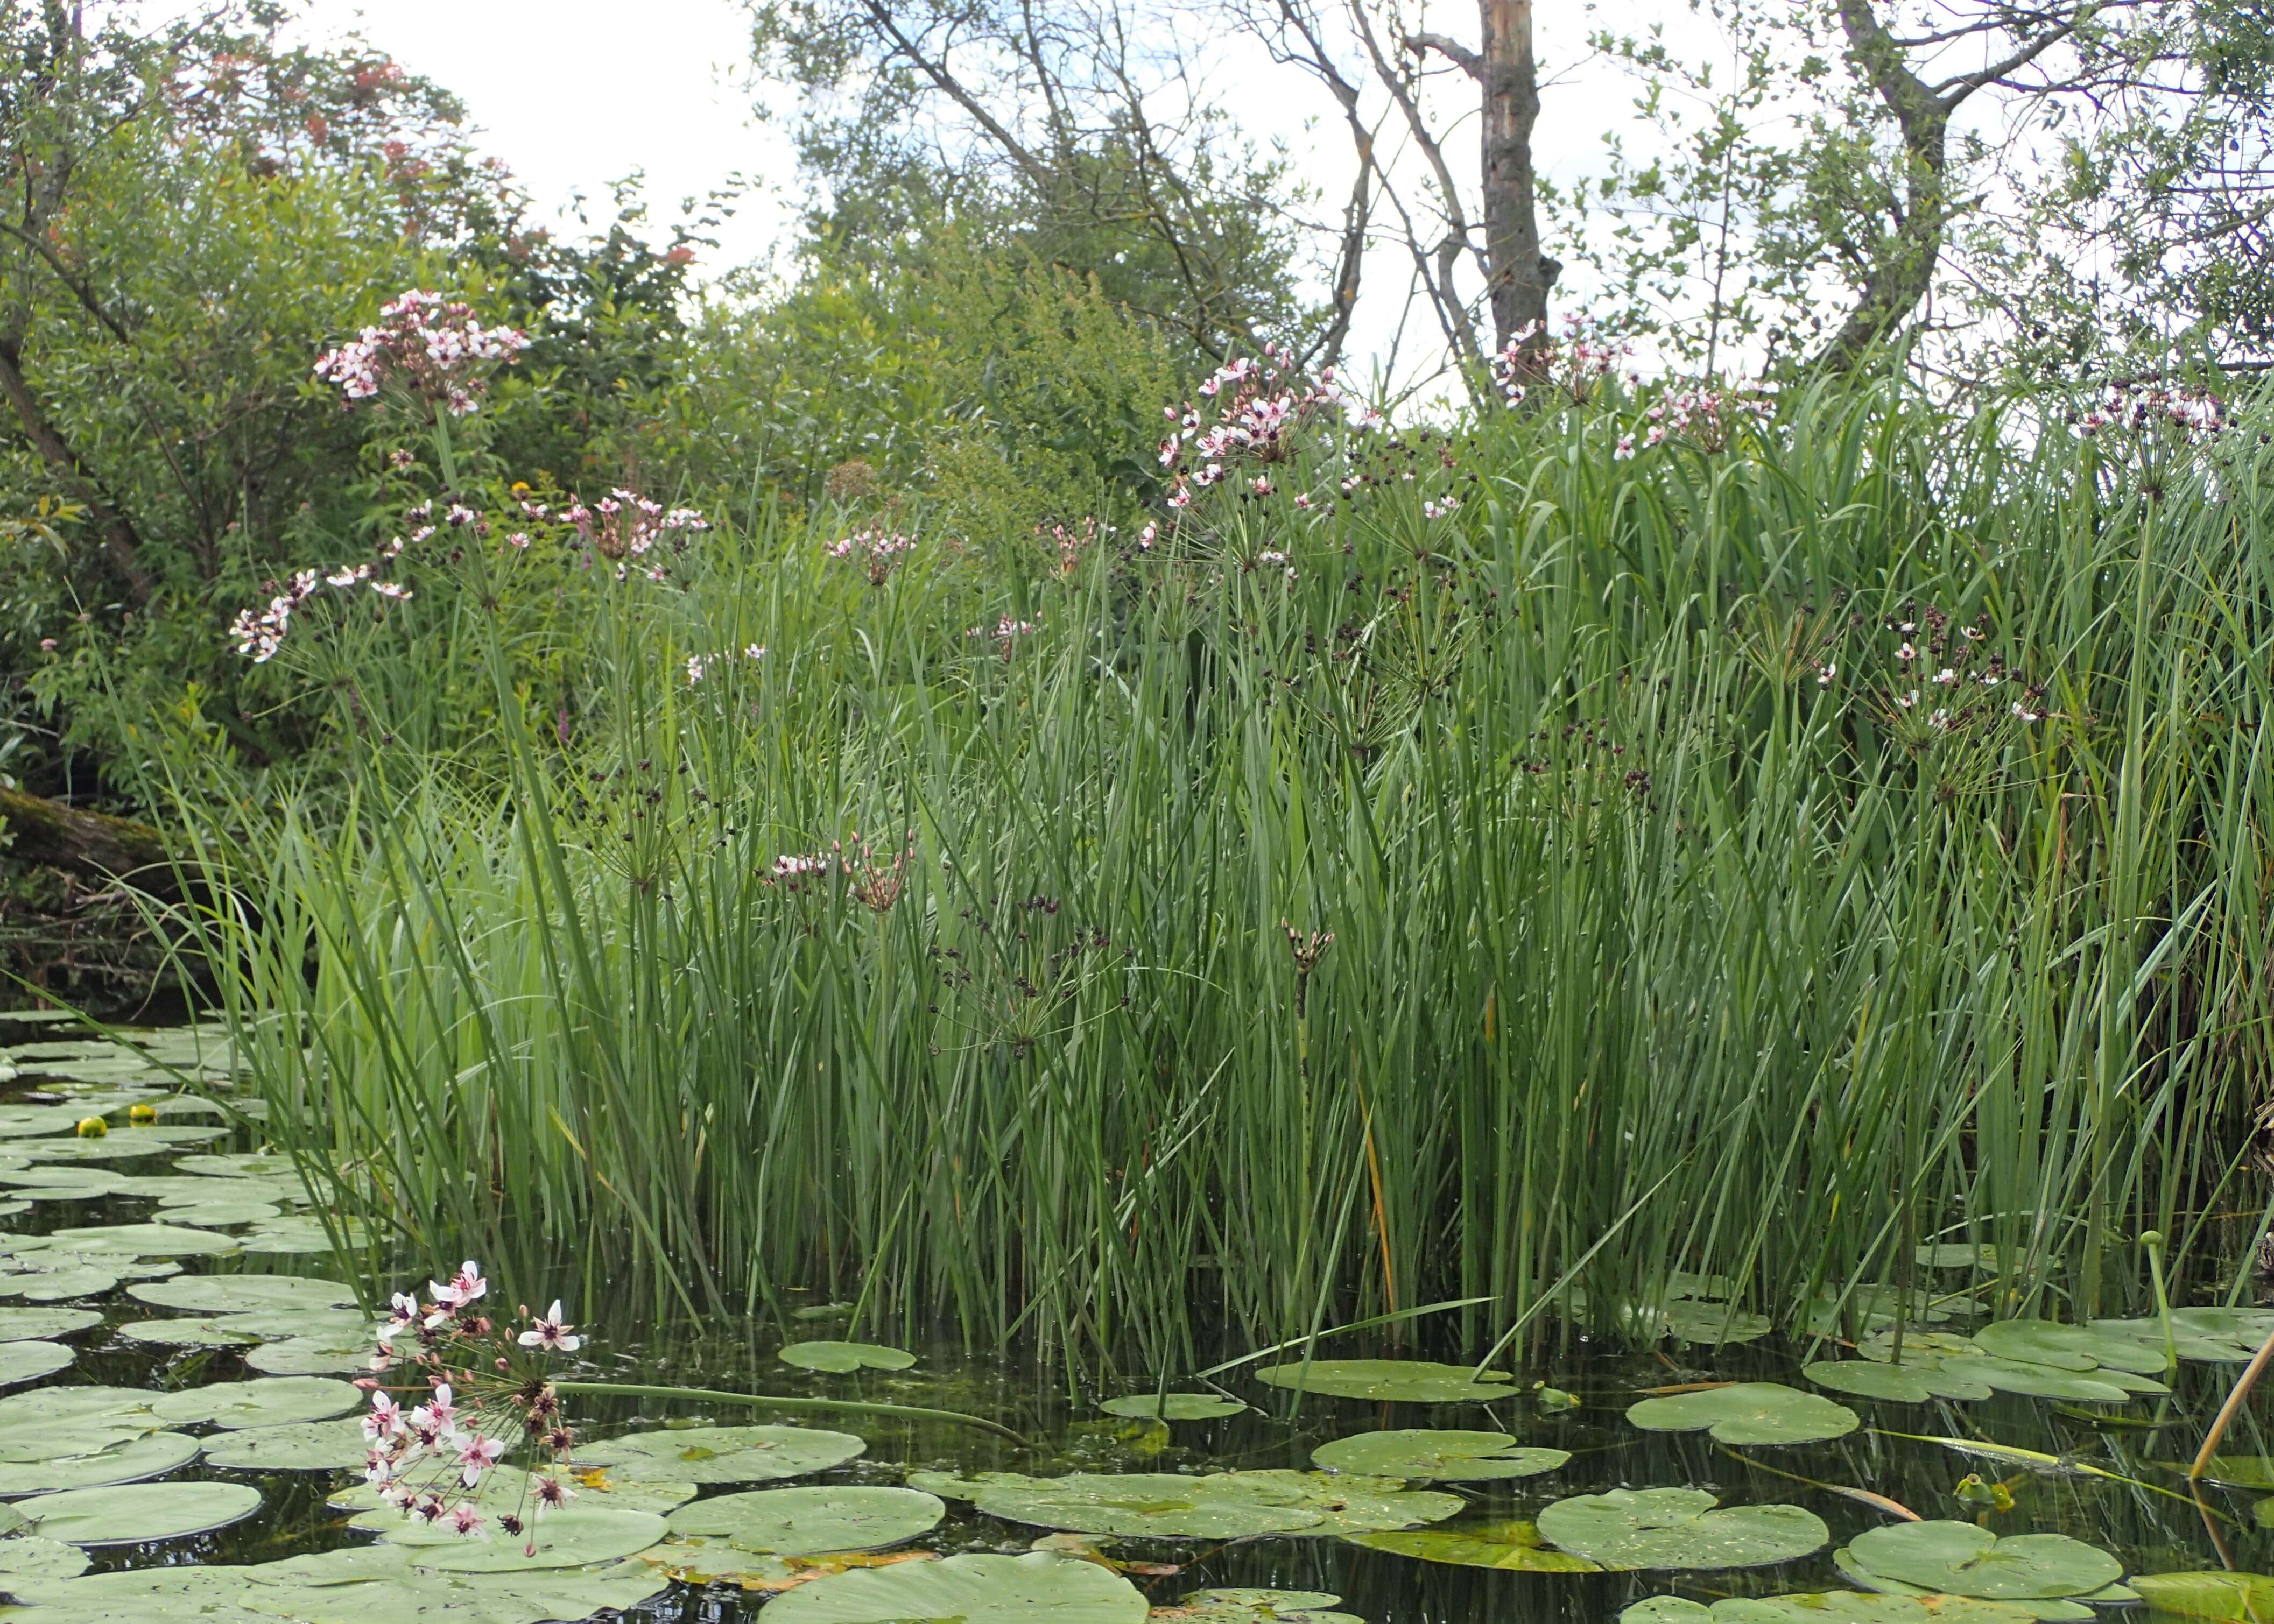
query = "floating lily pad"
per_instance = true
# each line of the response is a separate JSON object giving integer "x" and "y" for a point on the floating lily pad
{"x": 1947, "y": 1346}
{"x": 1420, "y": 1455}
{"x": 303, "y": 1446}
{"x": 1702, "y": 1322}
{"x": 1848, "y": 1607}
{"x": 2220, "y": 1598}
{"x": 28, "y": 1558}
{"x": 811, "y": 1521}
{"x": 1411, "y": 1382}
{"x": 135, "y": 1513}
{"x": 24, "y": 1325}
{"x": 1680, "y": 1529}
{"x": 573, "y": 1537}
{"x": 838, "y": 1358}
{"x": 312, "y": 1356}
{"x": 65, "y": 1184}
{"x": 971, "y": 1590}
{"x": 148, "y": 1454}
{"x": 2050, "y": 1608}
{"x": 1960, "y": 1558}
{"x": 1507, "y": 1544}
{"x": 201, "y": 1331}
{"x": 2098, "y": 1386}
{"x": 1238, "y": 1606}
{"x": 56, "y": 1285}
{"x": 231, "y": 1294}
{"x": 269, "y": 1401}
{"x": 726, "y": 1453}
{"x": 30, "y": 1361}
{"x": 1667, "y": 1610}
{"x": 2204, "y": 1335}
{"x": 292, "y": 1236}
{"x": 142, "y": 1240}
{"x": 1220, "y": 1506}
{"x": 2064, "y": 1347}
{"x": 223, "y": 1214}
{"x": 1172, "y": 1407}
{"x": 1875, "y": 1309}
{"x": 1748, "y": 1412}
{"x": 1907, "y": 1383}
{"x": 23, "y": 1411}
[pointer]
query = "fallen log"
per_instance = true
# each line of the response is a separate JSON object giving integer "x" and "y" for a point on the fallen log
{"x": 94, "y": 843}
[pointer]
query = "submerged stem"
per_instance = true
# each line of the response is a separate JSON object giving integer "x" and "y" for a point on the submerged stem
{"x": 775, "y": 1400}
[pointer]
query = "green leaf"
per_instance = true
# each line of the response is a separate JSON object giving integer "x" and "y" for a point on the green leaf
{"x": 838, "y": 1358}
{"x": 1666, "y": 1610}
{"x": 24, "y": 1325}
{"x": 300, "y": 1445}
{"x": 59, "y": 1283}
{"x": 1907, "y": 1383}
{"x": 726, "y": 1453}
{"x": 139, "y": 1512}
{"x": 29, "y": 1361}
{"x": 1246, "y": 1606}
{"x": 143, "y": 1240}
{"x": 27, "y": 1558}
{"x": 1411, "y": 1381}
{"x": 1507, "y": 1544}
{"x": 199, "y": 1331}
{"x": 969, "y": 1590}
{"x": 1679, "y": 1529}
{"x": 312, "y": 1356}
{"x": 1748, "y": 1412}
{"x": 1848, "y": 1607}
{"x": 575, "y": 1536}
{"x": 1172, "y": 1407}
{"x": 2045, "y": 1381}
{"x": 2221, "y": 1597}
{"x": 266, "y": 1401}
{"x": 1701, "y": 1322}
{"x": 810, "y": 1521}
{"x": 1420, "y": 1455}
{"x": 102, "y": 1461}
{"x": 1960, "y": 1558}
{"x": 2065, "y": 1347}
{"x": 1218, "y": 1506}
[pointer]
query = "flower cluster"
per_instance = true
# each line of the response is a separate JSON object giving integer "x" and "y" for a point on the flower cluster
{"x": 624, "y": 526}
{"x": 481, "y": 1394}
{"x": 1577, "y": 364}
{"x": 1255, "y": 408}
{"x": 701, "y": 665}
{"x": 260, "y": 633}
{"x": 2138, "y": 407}
{"x": 432, "y": 348}
{"x": 1707, "y": 417}
{"x": 1006, "y": 632}
{"x": 878, "y": 550}
{"x": 1942, "y": 680}
{"x": 1075, "y": 542}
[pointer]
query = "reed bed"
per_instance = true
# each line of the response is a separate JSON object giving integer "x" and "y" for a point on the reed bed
{"x": 1668, "y": 938}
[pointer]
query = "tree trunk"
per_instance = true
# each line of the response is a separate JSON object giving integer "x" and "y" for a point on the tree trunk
{"x": 1519, "y": 275}
{"x": 90, "y": 843}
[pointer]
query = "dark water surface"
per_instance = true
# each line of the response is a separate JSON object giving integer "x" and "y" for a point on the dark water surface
{"x": 2149, "y": 1439}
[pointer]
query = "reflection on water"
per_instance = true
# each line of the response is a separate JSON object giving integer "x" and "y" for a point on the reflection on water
{"x": 2148, "y": 1440}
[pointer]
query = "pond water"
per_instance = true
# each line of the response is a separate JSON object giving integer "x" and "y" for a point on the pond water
{"x": 93, "y": 1296}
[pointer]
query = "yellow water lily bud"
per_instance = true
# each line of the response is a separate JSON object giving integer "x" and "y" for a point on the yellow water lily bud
{"x": 93, "y": 1127}
{"x": 141, "y": 1113}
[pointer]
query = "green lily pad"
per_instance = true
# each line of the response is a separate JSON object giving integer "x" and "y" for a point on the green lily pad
{"x": 1172, "y": 1407}
{"x": 1960, "y": 1558}
{"x": 223, "y": 1214}
{"x": 22, "y": 1410}
{"x": 2052, "y": 1608}
{"x": 267, "y": 1401}
{"x": 1907, "y": 1383}
{"x": 1235, "y": 1505}
{"x": 505, "y": 1490}
{"x": 295, "y": 1236}
{"x": 1748, "y": 1412}
{"x": 312, "y": 1356}
{"x": 26, "y": 1120}
{"x": 2045, "y": 1381}
{"x": 28, "y": 1558}
{"x": 300, "y": 1445}
{"x": 142, "y": 1240}
{"x": 30, "y": 1361}
{"x": 725, "y": 1454}
{"x": 149, "y": 1454}
{"x": 242, "y": 1164}
{"x": 575, "y": 1536}
{"x": 65, "y": 1184}
{"x": 201, "y": 1331}
{"x": 1035, "y": 1589}
{"x": 1411, "y": 1382}
{"x": 1666, "y": 1610}
{"x": 2204, "y": 1335}
{"x": 1509, "y": 1543}
{"x": 56, "y": 1285}
{"x": 235, "y": 1293}
{"x": 1242, "y": 1606}
{"x": 811, "y": 1521}
{"x": 2220, "y": 1598}
{"x": 838, "y": 1358}
{"x": 1946, "y": 1346}
{"x": 1848, "y": 1607}
{"x": 24, "y": 1325}
{"x": 1702, "y": 1322}
{"x": 2064, "y": 1347}
{"x": 1680, "y": 1529}
{"x": 134, "y": 1513}
{"x": 1420, "y": 1455}
{"x": 36, "y": 1437}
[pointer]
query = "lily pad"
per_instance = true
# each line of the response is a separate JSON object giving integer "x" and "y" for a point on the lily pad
{"x": 269, "y": 1401}
{"x": 58, "y": 1285}
{"x": 304, "y": 1446}
{"x": 1172, "y": 1407}
{"x": 1848, "y": 1607}
{"x": 1420, "y": 1455}
{"x": 24, "y": 1325}
{"x": 233, "y": 1294}
{"x": 135, "y": 1513}
{"x": 1667, "y": 1610}
{"x": 1242, "y": 1606}
{"x": 1509, "y": 1543}
{"x": 223, "y": 1214}
{"x": 242, "y": 1164}
{"x": 200, "y": 1331}
{"x": 2065, "y": 1347}
{"x": 811, "y": 1521}
{"x": 1748, "y": 1412}
{"x": 838, "y": 1359}
{"x": 1911, "y": 1382}
{"x": 1702, "y": 1322}
{"x": 1946, "y": 1346}
{"x": 726, "y": 1453}
{"x": 1230, "y": 1505}
{"x": 28, "y": 1558}
{"x": 2204, "y": 1335}
{"x": 311, "y": 1356}
{"x": 148, "y": 1454}
{"x": 2098, "y": 1386}
{"x": 972, "y": 1590}
{"x": 292, "y": 1236}
{"x": 506, "y": 1490}
{"x": 2221, "y": 1597}
{"x": 142, "y": 1240}
{"x": 1680, "y": 1529}
{"x": 30, "y": 1361}
{"x": 1960, "y": 1558}
{"x": 1409, "y": 1382}
{"x": 64, "y": 1183}
{"x": 575, "y": 1536}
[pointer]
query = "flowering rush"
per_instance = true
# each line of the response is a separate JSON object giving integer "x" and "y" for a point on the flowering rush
{"x": 431, "y": 347}
{"x": 467, "y": 1390}
{"x": 1255, "y": 408}
{"x": 877, "y": 550}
